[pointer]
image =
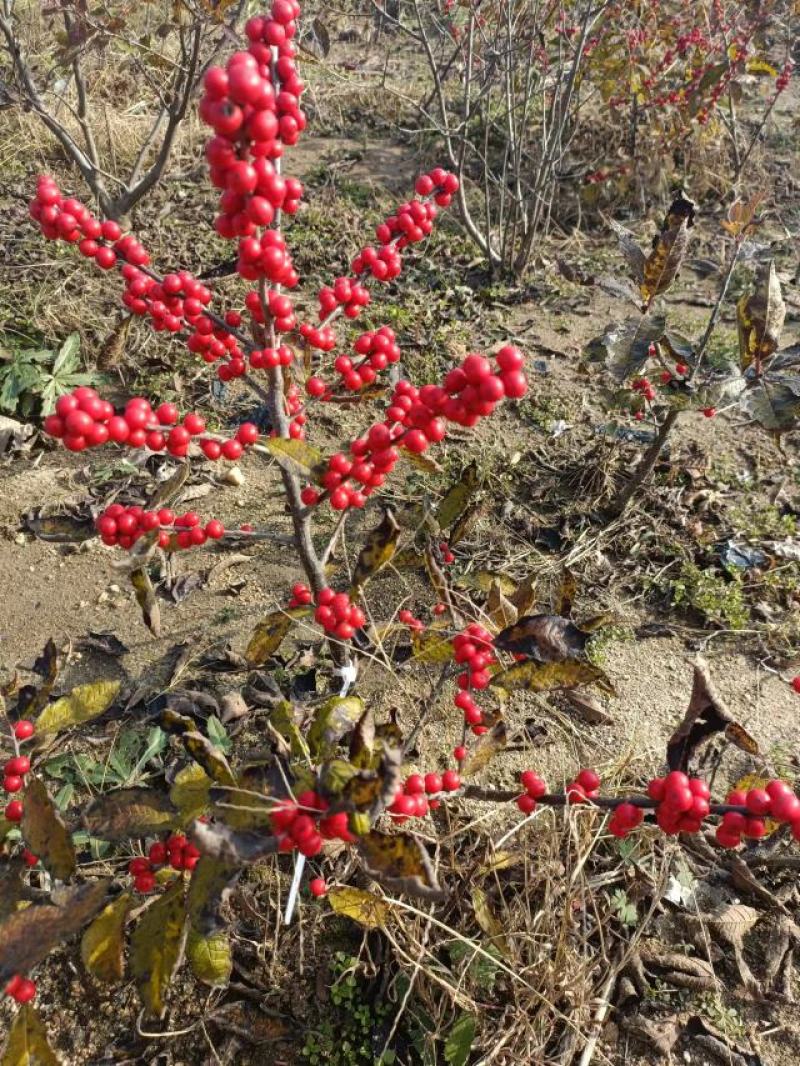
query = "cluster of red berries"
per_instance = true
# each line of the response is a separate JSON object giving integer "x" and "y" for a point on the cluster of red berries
{"x": 412, "y": 799}
{"x": 253, "y": 106}
{"x": 69, "y": 220}
{"x": 302, "y": 824}
{"x": 15, "y": 769}
{"x": 279, "y": 307}
{"x": 775, "y": 800}
{"x": 347, "y": 293}
{"x": 408, "y": 618}
{"x": 302, "y": 595}
{"x": 585, "y": 787}
{"x": 535, "y": 788}
{"x": 175, "y": 851}
{"x": 681, "y": 370}
{"x": 377, "y": 349}
{"x": 416, "y": 418}
{"x": 123, "y": 526}
{"x": 473, "y": 649}
{"x": 683, "y": 802}
{"x": 266, "y": 256}
{"x": 338, "y": 615}
{"x": 83, "y": 420}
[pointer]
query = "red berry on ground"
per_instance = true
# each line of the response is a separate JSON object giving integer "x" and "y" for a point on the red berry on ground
{"x": 318, "y": 887}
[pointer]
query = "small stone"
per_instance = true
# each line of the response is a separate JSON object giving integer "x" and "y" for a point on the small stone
{"x": 114, "y": 588}
{"x": 234, "y": 477}
{"x": 20, "y": 539}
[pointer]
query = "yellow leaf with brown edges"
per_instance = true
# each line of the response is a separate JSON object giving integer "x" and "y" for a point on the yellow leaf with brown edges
{"x": 379, "y": 549}
{"x": 456, "y": 500}
{"x": 545, "y": 677}
{"x": 81, "y": 705}
{"x": 669, "y": 248}
{"x": 400, "y": 862}
{"x": 27, "y": 1043}
{"x": 363, "y": 907}
{"x": 189, "y": 792}
{"x": 298, "y": 457}
{"x": 431, "y": 646}
{"x": 157, "y": 945}
{"x": 103, "y": 942}
{"x": 146, "y": 598}
{"x": 44, "y": 832}
{"x": 270, "y": 633}
{"x": 760, "y": 316}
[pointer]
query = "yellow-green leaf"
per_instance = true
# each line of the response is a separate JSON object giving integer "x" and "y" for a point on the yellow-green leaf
{"x": 210, "y": 957}
{"x": 757, "y": 65}
{"x": 146, "y": 598}
{"x": 156, "y": 945}
{"x": 27, "y": 1043}
{"x": 189, "y": 792}
{"x": 332, "y": 720}
{"x": 270, "y": 633}
{"x": 431, "y": 646}
{"x": 211, "y": 884}
{"x": 102, "y": 944}
{"x": 44, "y": 832}
{"x": 298, "y": 457}
{"x": 544, "y": 677}
{"x": 363, "y": 907}
{"x": 482, "y": 580}
{"x": 81, "y": 705}
{"x": 210, "y": 757}
{"x": 378, "y": 550}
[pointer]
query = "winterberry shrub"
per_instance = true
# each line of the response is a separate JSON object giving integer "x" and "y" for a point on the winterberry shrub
{"x": 329, "y": 778}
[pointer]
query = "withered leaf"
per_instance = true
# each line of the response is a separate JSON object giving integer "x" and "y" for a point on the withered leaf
{"x": 106, "y": 643}
{"x": 489, "y": 745}
{"x": 547, "y": 638}
{"x": 632, "y": 253}
{"x": 706, "y": 716}
{"x": 212, "y": 882}
{"x": 168, "y": 490}
{"x": 431, "y": 646}
{"x": 113, "y": 348}
{"x": 29, "y": 935}
{"x": 333, "y": 719}
{"x": 544, "y": 677}
{"x": 759, "y": 316}
{"x": 379, "y": 549}
{"x": 146, "y": 598}
{"x": 102, "y": 943}
{"x": 129, "y": 813}
{"x": 624, "y": 348}
{"x": 500, "y": 611}
{"x": 669, "y": 248}
{"x": 157, "y": 945}
{"x": 11, "y": 885}
{"x": 44, "y": 832}
{"x": 400, "y": 862}
{"x": 208, "y": 756}
{"x": 233, "y": 847}
{"x": 488, "y": 920}
{"x": 270, "y": 633}
{"x": 457, "y": 498}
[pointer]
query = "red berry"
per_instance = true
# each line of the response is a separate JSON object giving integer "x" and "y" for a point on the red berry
{"x": 451, "y": 781}
{"x": 20, "y": 764}
{"x": 795, "y": 683}
{"x": 13, "y": 811}
{"x": 459, "y": 753}
{"x": 145, "y": 882}
{"x": 157, "y": 853}
{"x": 588, "y": 780}
{"x": 526, "y": 803}
{"x": 318, "y": 887}
{"x": 12, "y": 783}
{"x": 24, "y": 729}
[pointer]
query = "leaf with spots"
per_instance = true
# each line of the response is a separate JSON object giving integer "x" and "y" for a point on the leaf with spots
{"x": 379, "y": 549}
{"x": 29, "y": 935}
{"x": 759, "y": 316}
{"x": 400, "y": 862}
{"x": 44, "y": 832}
{"x": 129, "y": 813}
{"x": 333, "y": 719}
{"x": 270, "y": 633}
{"x": 532, "y": 676}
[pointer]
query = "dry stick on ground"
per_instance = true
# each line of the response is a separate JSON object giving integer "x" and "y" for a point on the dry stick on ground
{"x": 174, "y": 106}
